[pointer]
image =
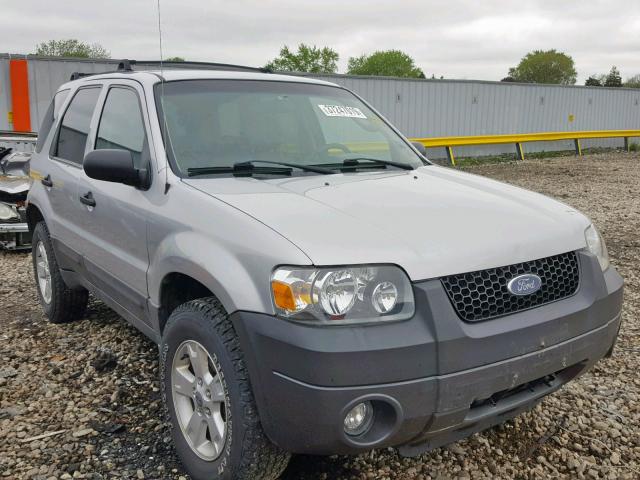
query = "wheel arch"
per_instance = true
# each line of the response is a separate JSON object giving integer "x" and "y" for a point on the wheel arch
{"x": 34, "y": 215}
{"x": 188, "y": 266}
{"x": 177, "y": 288}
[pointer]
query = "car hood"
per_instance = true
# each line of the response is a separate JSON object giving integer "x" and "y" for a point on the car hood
{"x": 432, "y": 221}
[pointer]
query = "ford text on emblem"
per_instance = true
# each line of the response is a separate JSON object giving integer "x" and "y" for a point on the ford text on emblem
{"x": 524, "y": 284}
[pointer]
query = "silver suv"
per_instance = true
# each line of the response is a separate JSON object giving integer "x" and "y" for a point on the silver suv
{"x": 315, "y": 284}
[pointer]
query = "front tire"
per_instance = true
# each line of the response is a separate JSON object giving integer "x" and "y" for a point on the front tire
{"x": 60, "y": 303}
{"x": 215, "y": 424}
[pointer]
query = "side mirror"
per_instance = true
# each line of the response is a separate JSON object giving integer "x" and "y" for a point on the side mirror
{"x": 420, "y": 147}
{"x": 114, "y": 165}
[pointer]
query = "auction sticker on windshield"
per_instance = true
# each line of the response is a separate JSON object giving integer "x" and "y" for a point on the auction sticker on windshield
{"x": 341, "y": 111}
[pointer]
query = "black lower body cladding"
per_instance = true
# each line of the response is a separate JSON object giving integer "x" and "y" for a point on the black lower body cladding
{"x": 432, "y": 379}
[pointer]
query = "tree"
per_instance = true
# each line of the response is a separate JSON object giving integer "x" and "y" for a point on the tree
{"x": 174, "y": 59}
{"x": 389, "y": 63}
{"x": 508, "y": 79}
{"x": 613, "y": 79}
{"x": 593, "y": 81}
{"x": 307, "y": 59}
{"x": 71, "y": 48}
{"x": 633, "y": 82}
{"x": 547, "y": 66}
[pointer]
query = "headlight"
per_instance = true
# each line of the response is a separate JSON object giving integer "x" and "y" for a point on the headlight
{"x": 342, "y": 295}
{"x": 7, "y": 212}
{"x": 596, "y": 245}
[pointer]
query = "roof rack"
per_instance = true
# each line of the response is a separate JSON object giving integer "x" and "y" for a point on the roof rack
{"x": 123, "y": 66}
{"x": 77, "y": 75}
{"x": 126, "y": 65}
{"x": 203, "y": 65}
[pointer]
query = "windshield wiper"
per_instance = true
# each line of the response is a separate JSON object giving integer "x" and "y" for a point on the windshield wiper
{"x": 238, "y": 169}
{"x": 306, "y": 168}
{"x": 248, "y": 168}
{"x": 354, "y": 163}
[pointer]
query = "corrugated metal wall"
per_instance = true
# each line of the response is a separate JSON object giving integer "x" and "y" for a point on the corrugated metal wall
{"x": 419, "y": 108}
{"x": 440, "y": 108}
{"x": 45, "y": 76}
{"x": 5, "y": 94}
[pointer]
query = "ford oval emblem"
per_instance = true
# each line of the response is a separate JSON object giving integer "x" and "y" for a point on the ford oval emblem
{"x": 524, "y": 284}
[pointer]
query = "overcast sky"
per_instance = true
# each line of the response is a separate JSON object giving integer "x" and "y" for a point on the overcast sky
{"x": 472, "y": 39}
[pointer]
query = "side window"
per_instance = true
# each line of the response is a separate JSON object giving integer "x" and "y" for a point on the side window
{"x": 121, "y": 125}
{"x": 74, "y": 128}
{"x": 50, "y": 118}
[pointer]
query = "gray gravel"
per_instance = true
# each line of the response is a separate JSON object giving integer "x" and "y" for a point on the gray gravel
{"x": 82, "y": 400}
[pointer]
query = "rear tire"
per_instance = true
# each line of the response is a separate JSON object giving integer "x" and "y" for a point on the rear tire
{"x": 60, "y": 303}
{"x": 201, "y": 361}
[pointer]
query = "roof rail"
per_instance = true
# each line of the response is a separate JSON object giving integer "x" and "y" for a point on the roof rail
{"x": 203, "y": 65}
{"x": 126, "y": 65}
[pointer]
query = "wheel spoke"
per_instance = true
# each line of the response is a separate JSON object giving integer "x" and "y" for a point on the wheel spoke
{"x": 183, "y": 382}
{"x": 216, "y": 426}
{"x": 216, "y": 389}
{"x": 47, "y": 289}
{"x": 199, "y": 361}
{"x": 197, "y": 430}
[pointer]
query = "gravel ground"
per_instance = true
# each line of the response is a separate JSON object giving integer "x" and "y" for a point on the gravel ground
{"x": 90, "y": 388}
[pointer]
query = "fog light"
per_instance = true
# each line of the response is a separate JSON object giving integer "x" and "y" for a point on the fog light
{"x": 359, "y": 418}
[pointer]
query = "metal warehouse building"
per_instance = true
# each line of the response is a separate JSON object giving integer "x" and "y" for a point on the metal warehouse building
{"x": 418, "y": 107}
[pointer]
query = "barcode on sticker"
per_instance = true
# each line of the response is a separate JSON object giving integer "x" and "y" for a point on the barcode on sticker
{"x": 341, "y": 111}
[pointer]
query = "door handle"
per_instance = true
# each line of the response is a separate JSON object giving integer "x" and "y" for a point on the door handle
{"x": 88, "y": 199}
{"x": 47, "y": 182}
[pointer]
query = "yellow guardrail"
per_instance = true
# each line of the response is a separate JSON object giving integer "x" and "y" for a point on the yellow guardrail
{"x": 519, "y": 138}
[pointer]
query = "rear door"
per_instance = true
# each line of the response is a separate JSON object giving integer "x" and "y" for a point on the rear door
{"x": 115, "y": 227}
{"x": 60, "y": 174}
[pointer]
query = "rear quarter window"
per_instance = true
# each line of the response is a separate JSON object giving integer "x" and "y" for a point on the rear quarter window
{"x": 50, "y": 118}
{"x": 74, "y": 128}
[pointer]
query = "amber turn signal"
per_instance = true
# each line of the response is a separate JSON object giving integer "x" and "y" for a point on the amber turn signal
{"x": 283, "y": 296}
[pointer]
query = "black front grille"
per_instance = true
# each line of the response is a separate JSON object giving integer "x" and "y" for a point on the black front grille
{"x": 483, "y": 294}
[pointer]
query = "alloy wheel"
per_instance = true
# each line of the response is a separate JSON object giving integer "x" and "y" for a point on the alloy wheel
{"x": 43, "y": 272}
{"x": 199, "y": 400}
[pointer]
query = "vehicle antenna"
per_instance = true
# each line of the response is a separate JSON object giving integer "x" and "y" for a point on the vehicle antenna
{"x": 164, "y": 121}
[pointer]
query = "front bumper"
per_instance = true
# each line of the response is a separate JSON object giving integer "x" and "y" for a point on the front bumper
{"x": 14, "y": 228}
{"x": 433, "y": 379}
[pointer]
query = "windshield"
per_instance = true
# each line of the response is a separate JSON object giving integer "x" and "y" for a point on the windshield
{"x": 219, "y": 123}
